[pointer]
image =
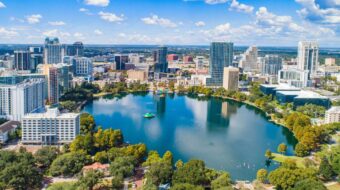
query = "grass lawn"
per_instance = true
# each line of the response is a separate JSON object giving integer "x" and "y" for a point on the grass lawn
{"x": 281, "y": 158}
{"x": 62, "y": 186}
{"x": 101, "y": 94}
{"x": 334, "y": 187}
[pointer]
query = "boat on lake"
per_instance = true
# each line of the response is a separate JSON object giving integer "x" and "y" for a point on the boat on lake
{"x": 149, "y": 115}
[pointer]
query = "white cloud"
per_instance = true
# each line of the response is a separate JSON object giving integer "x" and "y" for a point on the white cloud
{"x": 100, "y": 3}
{"x": 328, "y": 13}
{"x": 235, "y": 5}
{"x": 2, "y": 5}
{"x": 213, "y": 2}
{"x": 57, "y": 23}
{"x": 155, "y": 20}
{"x": 79, "y": 35}
{"x": 34, "y": 19}
{"x": 16, "y": 19}
{"x": 200, "y": 23}
{"x": 7, "y": 33}
{"x": 56, "y": 33}
{"x": 98, "y": 32}
{"x": 83, "y": 10}
{"x": 110, "y": 17}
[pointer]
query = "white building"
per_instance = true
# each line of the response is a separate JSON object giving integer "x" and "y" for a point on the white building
{"x": 82, "y": 66}
{"x": 271, "y": 64}
{"x": 308, "y": 56}
{"x": 50, "y": 127}
{"x": 6, "y": 129}
{"x": 293, "y": 77}
{"x": 199, "y": 61}
{"x": 333, "y": 115}
{"x": 249, "y": 60}
{"x": 19, "y": 99}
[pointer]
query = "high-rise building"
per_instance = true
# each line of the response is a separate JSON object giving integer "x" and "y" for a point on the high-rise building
{"x": 16, "y": 100}
{"x": 199, "y": 60}
{"x": 76, "y": 49}
{"x": 50, "y": 128}
{"x": 271, "y": 64}
{"x": 36, "y": 57}
{"x": 248, "y": 61}
{"x": 308, "y": 56}
{"x": 120, "y": 61}
{"x": 82, "y": 66}
{"x": 53, "y": 51}
{"x": 231, "y": 78}
{"x": 161, "y": 64}
{"x": 22, "y": 60}
{"x": 221, "y": 55}
{"x": 52, "y": 76}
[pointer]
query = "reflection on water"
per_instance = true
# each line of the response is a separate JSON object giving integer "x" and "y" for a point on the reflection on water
{"x": 227, "y": 135}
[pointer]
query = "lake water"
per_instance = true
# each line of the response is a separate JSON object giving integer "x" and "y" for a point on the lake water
{"x": 227, "y": 135}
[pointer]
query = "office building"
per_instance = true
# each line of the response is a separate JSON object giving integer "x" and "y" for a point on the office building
{"x": 199, "y": 60}
{"x": 161, "y": 64}
{"x": 36, "y": 57}
{"x": 302, "y": 97}
{"x": 332, "y": 115}
{"x": 294, "y": 77}
{"x": 248, "y": 61}
{"x": 308, "y": 57}
{"x": 82, "y": 67}
{"x": 16, "y": 100}
{"x": 137, "y": 75}
{"x": 330, "y": 61}
{"x": 53, "y": 51}
{"x": 271, "y": 64}
{"x": 52, "y": 76}
{"x": 76, "y": 49}
{"x": 22, "y": 60}
{"x": 231, "y": 78}
{"x": 50, "y": 128}
{"x": 188, "y": 59}
{"x": 221, "y": 55}
{"x": 172, "y": 57}
{"x": 120, "y": 61}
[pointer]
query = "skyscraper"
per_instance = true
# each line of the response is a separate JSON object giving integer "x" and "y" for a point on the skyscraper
{"x": 22, "y": 60}
{"x": 36, "y": 57}
{"x": 271, "y": 64}
{"x": 161, "y": 64}
{"x": 230, "y": 78}
{"x": 52, "y": 83}
{"x": 308, "y": 55}
{"x": 53, "y": 51}
{"x": 120, "y": 61}
{"x": 248, "y": 61}
{"x": 221, "y": 55}
{"x": 82, "y": 66}
{"x": 76, "y": 49}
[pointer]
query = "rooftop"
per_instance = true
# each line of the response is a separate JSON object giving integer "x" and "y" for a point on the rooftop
{"x": 8, "y": 126}
{"x": 334, "y": 109}
{"x": 52, "y": 113}
{"x": 302, "y": 94}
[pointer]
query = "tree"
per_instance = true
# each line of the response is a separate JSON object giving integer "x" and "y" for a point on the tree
{"x": 222, "y": 182}
{"x": 186, "y": 186}
{"x": 69, "y": 164}
{"x": 83, "y": 143}
{"x": 261, "y": 175}
{"x": 101, "y": 157}
{"x": 90, "y": 179}
{"x": 193, "y": 172}
{"x": 282, "y": 148}
{"x": 309, "y": 184}
{"x": 46, "y": 155}
{"x": 325, "y": 169}
{"x": 122, "y": 166}
{"x": 159, "y": 173}
{"x": 312, "y": 110}
{"x": 87, "y": 123}
{"x": 301, "y": 150}
{"x": 179, "y": 164}
{"x": 268, "y": 154}
{"x": 153, "y": 157}
{"x": 117, "y": 182}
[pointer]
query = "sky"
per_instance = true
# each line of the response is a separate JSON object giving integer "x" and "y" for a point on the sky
{"x": 171, "y": 22}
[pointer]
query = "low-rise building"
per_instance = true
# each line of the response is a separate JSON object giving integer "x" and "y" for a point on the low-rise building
{"x": 332, "y": 115}
{"x": 230, "y": 78}
{"x": 137, "y": 75}
{"x": 6, "y": 129}
{"x": 51, "y": 127}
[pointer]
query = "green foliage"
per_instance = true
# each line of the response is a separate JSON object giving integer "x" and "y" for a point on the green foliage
{"x": 89, "y": 179}
{"x": 46, "y": 155}
{"x": 282, "y": 148}
{"x": 153, "y": 157}
{"x": 268, "y": 154}
{"x": 311, "y": 110}
{"x": 301, "y": 150}
{"x": 122, "y": 166}
{"x": 221, "y": 182}
{"x": 117, "y": 182}
{"x": 87, "y": 123}
{"x": 63, "y": 186}
{"x": 80, "y": 93}
{"x": 186, "y": 186}
{"x": 309, "y": 184}
{"x": 83, "y": 143}
{"x": 69, "y": 105}
{"x": 159, "y": 173}
{"x": 261, "y": 175}
{"x": 179, "y": 164}
{"x": 137, "y": 151}
{"x": 18, "y": 171}
{"x": 106, "y": 139}
{"x": 325, "y": 169}
{"x": 193, "y": 172}
{"x": 101, "y": 157}
{"x": 69, "y": 164}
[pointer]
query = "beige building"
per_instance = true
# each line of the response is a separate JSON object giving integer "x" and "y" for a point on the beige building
{"x": 137, "y": 75}
{"x": 330, "y": 61}
{"x": 333, "y": 115}
{"x": 230, "y": 78}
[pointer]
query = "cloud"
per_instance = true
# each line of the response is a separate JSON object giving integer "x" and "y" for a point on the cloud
{"x": 2, "y": 5}
{"x": 98, "y": 32}
{"x": 83, "y": 10}
{"x": 99, "y": 3}
{"x": 79, "y": 35}
{"x": 34, "y": 19}
{"x": 57, "y": 23}
{"x": 7, "y": 33}
{"x": 200, "y": 23}
{"x": 111, "y": 17}
{"x": 155, "y": 20}
{"x": 16, "y": 19}
{"x": 324, "y": 12}
{"x": 235, "y": 5}
{"x": 55, "y": 33}
{"x": 213, "y": 2}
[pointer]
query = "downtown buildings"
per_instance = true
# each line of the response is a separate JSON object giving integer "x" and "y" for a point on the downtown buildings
{"x": 53, "y": 51}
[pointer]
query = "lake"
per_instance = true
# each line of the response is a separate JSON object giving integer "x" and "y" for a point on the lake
{"x": 226, "y": 134}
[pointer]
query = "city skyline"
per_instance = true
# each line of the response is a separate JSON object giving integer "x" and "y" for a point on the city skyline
{"x": 171, "y": 22}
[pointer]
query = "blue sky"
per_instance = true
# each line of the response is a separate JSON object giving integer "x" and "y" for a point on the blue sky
{"x": 187, "y": 22}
